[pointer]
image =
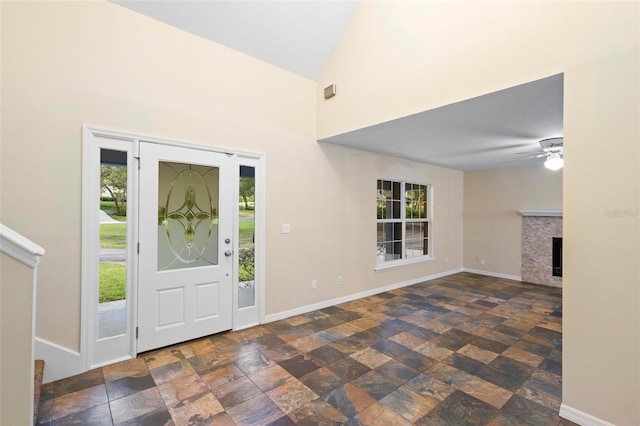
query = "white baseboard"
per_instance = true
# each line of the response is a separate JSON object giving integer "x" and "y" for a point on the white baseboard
{"x": 59, "y": 362}
{"x": 350, "y": 297}
{"x": 493, "y": 274}
{"x": 580, "y": 417}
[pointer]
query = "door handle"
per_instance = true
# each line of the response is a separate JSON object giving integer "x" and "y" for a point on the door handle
{"x": 228, "y": 253}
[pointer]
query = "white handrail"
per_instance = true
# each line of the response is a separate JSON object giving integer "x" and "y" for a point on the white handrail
{"x": 19, "y": 247}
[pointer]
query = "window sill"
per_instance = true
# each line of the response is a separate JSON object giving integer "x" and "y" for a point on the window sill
{"x": 395, "y": 264}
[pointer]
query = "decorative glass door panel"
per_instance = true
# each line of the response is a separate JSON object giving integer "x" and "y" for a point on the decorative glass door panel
{"x": 187, "y": 216}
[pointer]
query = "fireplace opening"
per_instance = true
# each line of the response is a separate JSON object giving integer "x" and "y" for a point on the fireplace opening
{"x": 557, "y": 257}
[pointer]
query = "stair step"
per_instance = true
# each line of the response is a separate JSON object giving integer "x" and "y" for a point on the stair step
{"x": 37, "y": 389}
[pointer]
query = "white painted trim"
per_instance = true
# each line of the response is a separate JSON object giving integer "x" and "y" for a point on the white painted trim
{"x": 252, "y": 315}
{"x": 19, "y": 247}
{"x": 96, "y": 352}
{"x": 349, "y": 298}
{"x": 581, "y": 417}
{"x": 493, "y": 274}
{"x": 244, "y": 327}
{"x": 260, "y": 216}
{"x": 395, "y": 264}
{"x": 112, "y": 361}
{"x": 129, "y": 136}
{"x": 60, "y": 362}
{"x": 546, "y": 213}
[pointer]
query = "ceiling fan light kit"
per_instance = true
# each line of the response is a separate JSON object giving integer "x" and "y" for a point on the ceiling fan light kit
{"x": 553, "y": 147}
{"x": 554, "y": 161}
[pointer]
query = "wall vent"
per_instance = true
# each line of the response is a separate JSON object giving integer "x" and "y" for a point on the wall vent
{"x": 330, "y": 91}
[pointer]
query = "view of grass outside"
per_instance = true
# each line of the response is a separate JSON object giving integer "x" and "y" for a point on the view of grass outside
{"x": 113, "y": 277}
{"x": 113, "y": 235}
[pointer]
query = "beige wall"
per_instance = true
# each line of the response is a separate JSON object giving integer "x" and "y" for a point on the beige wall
{"x": 601, "y": 359}
{"x": 400, "y": 58}
{"x": 331, "y": 212}
{"x": 16, "y": 295}
{"x": 492, "y": 224}
{"x": 75, "y": 63}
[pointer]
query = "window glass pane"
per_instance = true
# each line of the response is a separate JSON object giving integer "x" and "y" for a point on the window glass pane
{"x": 415, "y": 201}
{"x": 396, "y": 210}
{"x": 397, "y": 231}
{"x": 396, "y": 191}
{"x": 381, "y": 209}
{"x": 246, "y": 238}
{"x": 414, "y": 239}
{"x": 112, "y": 292}
{"x": 423, "y": 201}
{"x": 389, "y": 241}
{"x": 380, "y": 254}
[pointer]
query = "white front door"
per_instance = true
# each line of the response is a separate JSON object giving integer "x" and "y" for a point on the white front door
{"x": 186, "y": 248}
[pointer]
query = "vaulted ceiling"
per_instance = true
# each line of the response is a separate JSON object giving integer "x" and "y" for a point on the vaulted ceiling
{"x": 490, "y": 131}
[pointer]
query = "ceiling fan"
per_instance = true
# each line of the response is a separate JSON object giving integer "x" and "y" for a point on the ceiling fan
{"x": 552, "y": 148}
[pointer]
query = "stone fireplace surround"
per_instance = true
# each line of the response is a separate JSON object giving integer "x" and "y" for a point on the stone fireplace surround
{"x": 539, "y": 227}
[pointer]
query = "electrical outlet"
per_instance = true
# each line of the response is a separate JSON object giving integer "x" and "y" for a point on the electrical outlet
{"x": 482, "y": 261}
{"x": 340, "y": 280}
{"x": 286, "y": 228}
{"x": 518, "y": 263}
{"x": 314, "y": 284}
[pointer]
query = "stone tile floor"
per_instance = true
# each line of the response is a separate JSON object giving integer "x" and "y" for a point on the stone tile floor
{"x": 460, "y": 350}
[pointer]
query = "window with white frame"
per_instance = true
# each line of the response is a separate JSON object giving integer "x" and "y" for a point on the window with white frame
{"x": 403, "y": 221}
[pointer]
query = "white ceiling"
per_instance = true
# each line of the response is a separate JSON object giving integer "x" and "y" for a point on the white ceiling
{"x": 297, "y": 35}
{"x": 485, "y": 132}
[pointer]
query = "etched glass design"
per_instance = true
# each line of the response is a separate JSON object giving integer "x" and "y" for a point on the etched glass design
{"x": 187, "y": 216}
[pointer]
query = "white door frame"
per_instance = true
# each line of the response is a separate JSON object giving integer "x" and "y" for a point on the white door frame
{"x": 252, "y": 315}
{"x": 118, "y": 348}
{"x": 91, "y": 137}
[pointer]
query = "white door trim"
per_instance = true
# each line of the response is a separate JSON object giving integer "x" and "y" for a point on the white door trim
{"x": 254, "y": 315}
{"x": 118, "y": 347}
{"x": 88, "y": 161}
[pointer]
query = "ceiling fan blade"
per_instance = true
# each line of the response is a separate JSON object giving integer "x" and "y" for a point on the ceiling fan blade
{"x": 526, "y": 158}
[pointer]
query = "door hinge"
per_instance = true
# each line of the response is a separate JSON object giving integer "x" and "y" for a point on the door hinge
{"x": 136, "y": 332}
{"x": 138, "y": 248}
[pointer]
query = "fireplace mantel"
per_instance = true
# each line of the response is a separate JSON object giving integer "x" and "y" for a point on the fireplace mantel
{"x": 541, "y": 213}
